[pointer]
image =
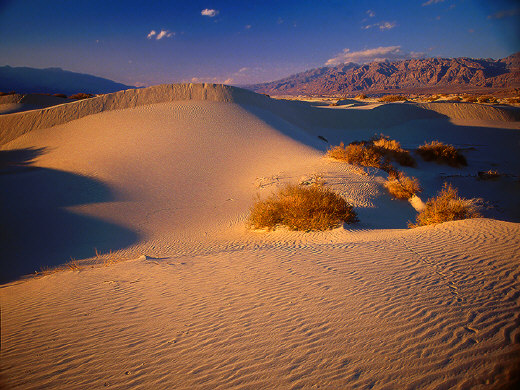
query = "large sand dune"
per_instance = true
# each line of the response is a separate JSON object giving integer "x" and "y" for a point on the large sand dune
{"x": 164, "y": 178}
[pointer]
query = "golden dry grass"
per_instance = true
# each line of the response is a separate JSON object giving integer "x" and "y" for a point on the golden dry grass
{"x": 361, "y": 96}
{"x": 301, "y": 208}
{"x": 401, "y": 186}
{"x": 441, "y": 153}
{"x": 392, "y": 98}
{"x": 392, "y": 149}
{"x": 359, "y": 154}
{"x": 447, "y": 206}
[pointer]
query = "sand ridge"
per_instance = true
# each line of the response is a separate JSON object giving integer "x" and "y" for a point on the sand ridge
{"x": 191, "y": 298}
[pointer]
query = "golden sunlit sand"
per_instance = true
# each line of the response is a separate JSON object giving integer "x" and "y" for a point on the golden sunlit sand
{"x": 144, "y": 195}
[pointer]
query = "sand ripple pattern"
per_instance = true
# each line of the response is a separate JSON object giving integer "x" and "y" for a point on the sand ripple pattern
{"x": 413, "y": 310}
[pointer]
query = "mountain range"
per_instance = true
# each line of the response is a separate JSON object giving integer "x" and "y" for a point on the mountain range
{"x": 428, "y": 75}
{"x": 54, "y": 80}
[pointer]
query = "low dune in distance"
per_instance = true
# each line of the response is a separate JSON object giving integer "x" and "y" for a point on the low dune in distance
{"x": 144, "y": 196}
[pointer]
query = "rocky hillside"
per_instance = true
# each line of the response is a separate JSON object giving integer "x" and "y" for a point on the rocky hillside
{"x": 429, "y": 75}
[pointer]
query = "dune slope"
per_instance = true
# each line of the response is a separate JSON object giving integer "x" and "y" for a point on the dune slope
{"x": 190, "y": 298}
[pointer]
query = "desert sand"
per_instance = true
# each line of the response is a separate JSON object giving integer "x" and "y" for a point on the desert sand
{"x": 181, "y": 294}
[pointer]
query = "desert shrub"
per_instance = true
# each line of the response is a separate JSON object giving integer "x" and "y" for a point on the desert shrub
{"x": 60, "y": 95}
{"x": 334, "y": 104}
{"x": 447, "y": 206}
{"x": 302, "y": 208}
{"x": 513, "y": 100}
{"x": 361, "y": 96}
{"x": 362, "y": 154}
{"x": 441, "y": 153}
{"x": 393, "y": 150}
{"x": 488, "y": 175}
{"x": 392, "y": 98}
{"x": 80, "y": 96}
{"x": 486, "y": 99}
{"x": 401, "y": 186}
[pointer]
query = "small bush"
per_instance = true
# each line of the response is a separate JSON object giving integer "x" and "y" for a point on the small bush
{"x": 302, "y": 208}
{"x": 361, "y": 96}
{"x": 392, "y": 98}
{"x": 486, "y": 99}
{"x": 513, "y": 100}
{"x": 80, "y": 96}
{"x": 401, "y": 186}
{"x": 488, "y": 175}
{"x": 447, "y": 206}
{"x": 392, "y": 149}
{"x": 359, "y": 154}
{"x": 441, "y": 153}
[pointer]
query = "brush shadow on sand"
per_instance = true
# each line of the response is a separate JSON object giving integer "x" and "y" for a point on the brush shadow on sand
{"x": 36, "y": 229}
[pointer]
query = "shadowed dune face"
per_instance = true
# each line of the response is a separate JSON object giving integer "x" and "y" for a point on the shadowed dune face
{"x": 37, "y": 229}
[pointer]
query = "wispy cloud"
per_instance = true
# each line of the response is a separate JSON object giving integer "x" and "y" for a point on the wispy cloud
{"x": 248, "y": 26}
{"x": 165, "y": 34}
{"x": 161, "y": 34}
{"x": 382, "y": 26}
{"x": 209, "y": 12}
{"x": 378, "y": 54}
{"x": 371, "y": 13}
{"x": 504, "y": 14}
{"x": 430, "y": 2}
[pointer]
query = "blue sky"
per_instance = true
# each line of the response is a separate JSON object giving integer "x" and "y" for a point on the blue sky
{"x": 240, "y": 42}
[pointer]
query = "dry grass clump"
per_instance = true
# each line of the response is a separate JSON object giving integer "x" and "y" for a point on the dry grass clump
{"x": 488, "y": 175}
{"x": 334, "y": 104}
{"x": 302, "y": 208}
{"x": 513, "y": 100}
{"x": 447, "y": 206}
{"x": 361, "y": 96}
{"x": 401, "y": 186}
{"x": 363, "y": 154}
{"x": 486, "y": 99}
{"x": 80, "y": 96}
{"x": 392, "y": 149}
{"x": 441, "y": 153}
{"x": 393, "y": 98}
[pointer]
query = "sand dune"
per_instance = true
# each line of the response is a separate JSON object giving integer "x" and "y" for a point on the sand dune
{"x": 191, "y": 298}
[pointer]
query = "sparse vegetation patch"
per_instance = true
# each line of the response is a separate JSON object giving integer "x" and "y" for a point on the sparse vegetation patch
{"x": 392, "y": 149}
{"x": 392, "y": 98}
{"x": 401, "y": 186}
{"x": 447, "y": 206}
{"x": 302, "y": 208}
{"x": 363, "y": 154}
{"x": 441, "y": 153}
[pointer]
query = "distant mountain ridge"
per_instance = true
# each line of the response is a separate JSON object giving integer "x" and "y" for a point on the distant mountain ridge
{"x": 428, "y": 75}
{"x": 54, "y": 80}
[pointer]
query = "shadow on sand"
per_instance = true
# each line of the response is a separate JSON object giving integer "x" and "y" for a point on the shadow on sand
{"x": 36, "y": 230}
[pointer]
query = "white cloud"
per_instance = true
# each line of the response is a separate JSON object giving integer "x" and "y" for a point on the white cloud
{"x": 209, "y": 12}
{"x": 378, "y": 54}
{"x": 430, "y": 2}
{"x": 371, "y": 13}
{"x": 382, "y": 26}
{"x": 165, "y": 34}
{"x": 151, "y": 34}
